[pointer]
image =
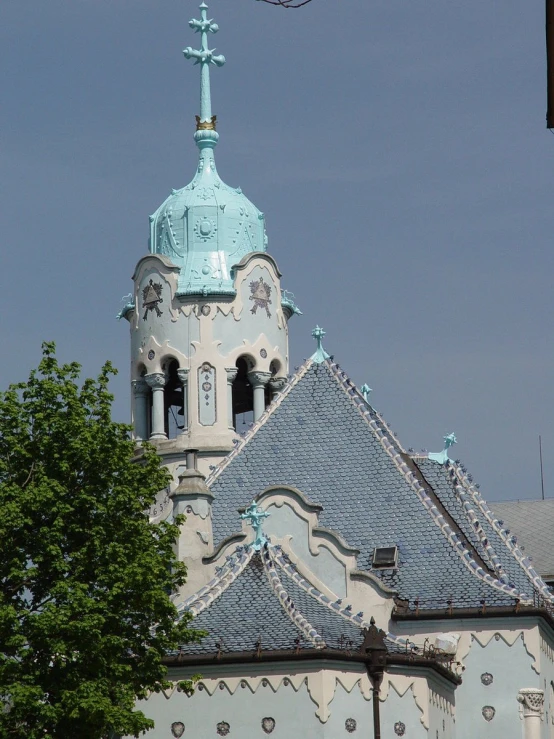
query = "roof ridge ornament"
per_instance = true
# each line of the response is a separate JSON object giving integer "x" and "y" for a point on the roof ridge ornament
{"x": 255, "y": 517}
{"x": 205, "y": 122}
{"x": 320, "y": 354}
{"x": 366, "y": 390}
{"x": 442, "y": 457}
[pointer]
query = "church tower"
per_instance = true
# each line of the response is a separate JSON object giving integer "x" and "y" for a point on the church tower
{"x": 208, "y": 318}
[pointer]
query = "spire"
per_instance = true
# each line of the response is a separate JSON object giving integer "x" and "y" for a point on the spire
{"x": 205, "y": 122}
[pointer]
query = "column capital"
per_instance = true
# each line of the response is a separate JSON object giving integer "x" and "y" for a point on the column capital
{"x": 258, "y": 379}
{"x": 532, "y": 702}
{"x": 183, "y": 375}
{"x": 156, "y": 380}
{"x": 140, "y": 387}
{"x": 231, "y": 373}
{"x": 277, "y": 383}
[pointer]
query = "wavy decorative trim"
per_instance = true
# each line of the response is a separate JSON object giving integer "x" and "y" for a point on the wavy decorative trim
{"x": 458, "y": 474}
{"x": 463, "y": 498}
{"x": 233, "y": 567}
{"x": 287, "y": 604}
{"x": 277, "y": 557}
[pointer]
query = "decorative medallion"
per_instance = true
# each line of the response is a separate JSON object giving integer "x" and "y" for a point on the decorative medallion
{"x": 487, "y": 678}
{"x": 265, "y": 683}
{"x": 268, "y": 724}
{"x": 177, "y": 728}
{"x": 488, "y": 712}
{"x": 151, "y": 297}
{"x": 350, "y": 725}
{"x": 223, "y": 728}
{"x": 205, "y": 193}
{"x": 151, "y": 354}
{"x": 399, "y": 728}
{"x": 205, "y": 229}
{"x": 206, "y": 310}
{"x": 263, "y": 353}
{"x": 260, "y": 293}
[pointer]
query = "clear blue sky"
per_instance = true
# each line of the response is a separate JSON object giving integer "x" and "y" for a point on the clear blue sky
{"x": 398, "y": 149}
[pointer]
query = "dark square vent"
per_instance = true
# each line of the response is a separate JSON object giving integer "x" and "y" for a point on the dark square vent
{"x": 385, "y": 557}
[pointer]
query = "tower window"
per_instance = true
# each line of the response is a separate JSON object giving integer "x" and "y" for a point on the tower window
{"x": 243, "y": 397}
{"x": 173, "y": 402}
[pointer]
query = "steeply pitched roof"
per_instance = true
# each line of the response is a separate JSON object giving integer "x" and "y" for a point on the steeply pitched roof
{"x": 533, "y": 523}
{"x": 324, "y": 439}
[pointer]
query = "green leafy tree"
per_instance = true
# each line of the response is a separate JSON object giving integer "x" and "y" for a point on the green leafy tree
{"x": 85, "y": 616}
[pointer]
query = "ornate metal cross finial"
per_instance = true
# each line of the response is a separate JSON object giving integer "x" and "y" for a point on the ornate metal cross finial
{"x": 320, "y": 353}
{"x": 442, "y": 457}
{"x": 255, "y": 516}
{"x": 204, "y": 56}
{"x": 366, "y": 390}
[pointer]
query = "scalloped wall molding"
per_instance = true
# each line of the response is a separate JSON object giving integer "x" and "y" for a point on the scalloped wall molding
{"x": 322, "y": 685}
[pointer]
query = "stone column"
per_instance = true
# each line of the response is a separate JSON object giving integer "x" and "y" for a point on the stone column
{"x": 157, "y": 382}
{"x": 183, "y": 375}
{"x": 531, "y": 711}
{"x": 259, "y": 380}
{"x": 231, "y": 377}
{"x": 140, "y": 391}
{"x": 277, "y": 384}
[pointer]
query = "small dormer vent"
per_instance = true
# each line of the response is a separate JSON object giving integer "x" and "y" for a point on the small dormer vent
{"x": 384, "y": 557}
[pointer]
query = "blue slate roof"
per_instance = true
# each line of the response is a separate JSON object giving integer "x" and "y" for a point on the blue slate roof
{"x": 248, "y": 612}
{"x": 318, "y": 437}
{"x": 440, "y": 477}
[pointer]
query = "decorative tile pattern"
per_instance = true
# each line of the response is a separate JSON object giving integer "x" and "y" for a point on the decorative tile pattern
{"x": 223, "y": 728}
{"x": 327, "y": 441}
{"x": 248, "y": 607}
{"x": 268, "y": 724}
{"x": 487, "y": 678}
{"x": 207, "y": 407}
{"x": 260, "y": 294}
{"x": 488, "y": 712}
{"x": 151, "y": 298}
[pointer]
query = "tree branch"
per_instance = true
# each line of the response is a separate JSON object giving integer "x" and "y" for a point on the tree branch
{"x": 287, "y": 3}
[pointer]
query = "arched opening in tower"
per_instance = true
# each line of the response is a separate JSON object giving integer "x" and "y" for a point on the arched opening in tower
{"x": 173, "y": 402}
{"x": 243, "y": 397}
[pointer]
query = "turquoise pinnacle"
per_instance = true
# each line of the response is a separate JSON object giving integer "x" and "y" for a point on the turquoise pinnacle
{"x": 204, "y": 56}
{"x": 206, "y": 227}
{"x": 320, "y": 354}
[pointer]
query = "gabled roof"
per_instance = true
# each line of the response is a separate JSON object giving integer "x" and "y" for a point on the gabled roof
{"x": 532, "y": 521}
{"x": 258, "y": 601}
{"x": 323, "y": 438}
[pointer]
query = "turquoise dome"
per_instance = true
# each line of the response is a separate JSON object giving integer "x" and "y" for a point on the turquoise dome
{"x": 207, "y": 227}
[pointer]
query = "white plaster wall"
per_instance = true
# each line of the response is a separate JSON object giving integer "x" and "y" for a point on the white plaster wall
{"x": 512, "y": 668}
{"x": 316, "y": 705}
